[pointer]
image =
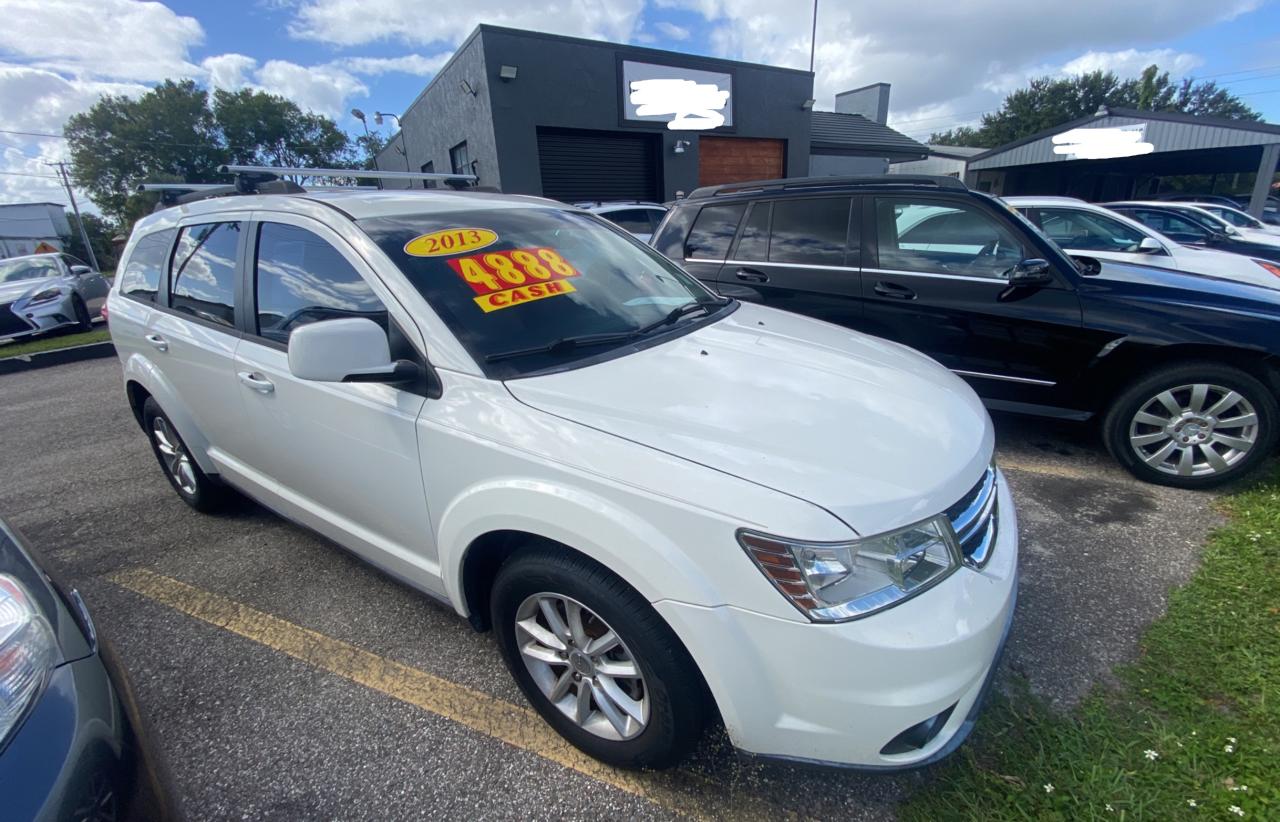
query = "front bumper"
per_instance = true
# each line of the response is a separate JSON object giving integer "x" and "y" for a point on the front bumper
{"x": 81, "y": 752}
{"x": 18, "y": 321}
{"x": 845, "y": 694}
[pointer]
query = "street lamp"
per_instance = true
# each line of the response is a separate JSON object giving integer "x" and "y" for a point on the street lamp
{"x": 359, "y": 115}
{"x": 404, "y": 149}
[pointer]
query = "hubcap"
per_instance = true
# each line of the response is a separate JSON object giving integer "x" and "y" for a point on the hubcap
{"x": 174, "y": 455}
{"x": 582, "y": 666}
{"x": 1194, "y": 430}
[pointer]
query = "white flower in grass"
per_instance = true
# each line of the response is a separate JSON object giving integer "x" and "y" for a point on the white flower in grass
{"x": 1048, "y": 789}
{"x": 1229, "y": 748}
{"x": 1237, "y": 810}
{"x": 1191, "y": 803}
{"x": 1231, "y": 739}
{"x": 1150, "y": 754}
{"x": 1109, "y": 808}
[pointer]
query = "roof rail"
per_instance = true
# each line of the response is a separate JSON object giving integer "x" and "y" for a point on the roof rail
{"x": 800, "y": 183}
{"x": 253, "y": 175}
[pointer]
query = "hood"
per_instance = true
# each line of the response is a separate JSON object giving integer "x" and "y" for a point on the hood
{"x": 873, "y": 432}
{"x": 1186, "y": 286}
{"x": 15, "y": 290}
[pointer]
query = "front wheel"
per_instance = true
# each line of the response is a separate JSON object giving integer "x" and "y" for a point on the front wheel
{"x": 595, "y": 660}
{"x": 195, "y": 487}
{"x": 83, "y": 321}
{"x": 1195, "y": 425}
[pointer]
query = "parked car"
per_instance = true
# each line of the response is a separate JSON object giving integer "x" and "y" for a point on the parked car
{"x": 1270, "y": 208}
{"x": 43, "y": 292}
{"x": 1182, "y": 369}
{"x": 72, "y": 746}
{"x": 527, "y": 413}
{"x": 1193, "y": 226}
{"x": 1238, "y": 218}
{"x": 638, "y": 217}
{"x": 1084, "y": 228}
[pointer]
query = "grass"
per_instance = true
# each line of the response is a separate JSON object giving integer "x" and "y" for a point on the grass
{"x": 52, "y": 343}
{"x": 1196, "y": 719}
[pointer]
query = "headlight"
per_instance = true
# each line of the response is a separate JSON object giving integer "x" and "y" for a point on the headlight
{"x": 28, "y": 652}
{"x": 833, "y": 582}
{"x": 1270, "y": 267}
{"x": 45, "y": 296}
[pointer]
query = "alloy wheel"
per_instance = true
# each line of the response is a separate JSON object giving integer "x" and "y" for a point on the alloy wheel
{"x": 582, "y": 666}
{"x": 174, "y": 455}
{"x": 1194, "y": 430}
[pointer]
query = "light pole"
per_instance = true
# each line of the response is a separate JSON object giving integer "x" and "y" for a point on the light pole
{"x": 368, "y": 146}
{"x": 404, "y": 146}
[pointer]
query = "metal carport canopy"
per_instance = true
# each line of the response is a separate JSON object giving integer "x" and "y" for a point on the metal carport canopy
{"x": 1184, "y": 144}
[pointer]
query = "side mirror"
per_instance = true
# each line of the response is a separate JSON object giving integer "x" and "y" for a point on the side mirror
{"x": 348, "y": 350}
{"x": 1032, "y": 272}
{"x": 1150, "y": 245}
{"x": 81, "y": 270}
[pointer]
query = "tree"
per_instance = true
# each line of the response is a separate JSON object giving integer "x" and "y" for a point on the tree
{"x": 371, "y": 144}
{"x": 174, "y": 133}
{"x": 1047, "y": 102}
{"x": 100, "y": 232}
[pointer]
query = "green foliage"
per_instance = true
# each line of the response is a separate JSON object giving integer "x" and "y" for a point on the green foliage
{"x": 1048, "y": 102}
{"x": 53, "y": 342}
{"x": 1195, "y": 720}
{"x": 100, "y": 232}
{"x": 175, "y": 133}
{"x": 371, "y": 144}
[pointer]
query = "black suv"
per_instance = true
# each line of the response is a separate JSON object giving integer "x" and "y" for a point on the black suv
{"x": 1183, "y": 369}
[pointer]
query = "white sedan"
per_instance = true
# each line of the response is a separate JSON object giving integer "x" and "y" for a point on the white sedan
{"x": 1085, "y": 228}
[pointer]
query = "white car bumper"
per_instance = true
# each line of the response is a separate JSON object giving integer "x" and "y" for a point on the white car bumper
{"x": 845, "y": 694}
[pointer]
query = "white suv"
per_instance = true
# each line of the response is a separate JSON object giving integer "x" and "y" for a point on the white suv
{"x": 661, "y": 500}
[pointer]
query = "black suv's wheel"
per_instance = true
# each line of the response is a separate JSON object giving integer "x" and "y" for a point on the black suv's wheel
{"x": 595, "y": 659}
{"x": 1194, "y": 425}
{"x": 192, "y": 484}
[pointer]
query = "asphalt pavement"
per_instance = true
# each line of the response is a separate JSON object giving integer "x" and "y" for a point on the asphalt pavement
{"x": 285, "y": 679}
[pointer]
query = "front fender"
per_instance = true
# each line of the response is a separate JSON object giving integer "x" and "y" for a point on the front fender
{"x": 139, "y": 369}
{"x": 618, "y": 539}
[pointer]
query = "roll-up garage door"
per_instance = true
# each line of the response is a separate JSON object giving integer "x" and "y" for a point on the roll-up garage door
{"x": 738, "y": 159}
{"x": 598, "y": 165}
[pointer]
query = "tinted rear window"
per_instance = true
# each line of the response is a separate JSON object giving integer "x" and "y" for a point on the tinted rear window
{"x": 812, "y": 232}
{"x": 713, "y": 232}
{"x": 140, "y": 278}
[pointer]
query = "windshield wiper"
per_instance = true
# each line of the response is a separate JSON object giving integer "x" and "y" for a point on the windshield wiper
{"x": 673, "y": 315}
{"x": 562, "y": 344}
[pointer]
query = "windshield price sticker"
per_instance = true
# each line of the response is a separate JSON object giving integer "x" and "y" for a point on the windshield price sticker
{"x": 450, "y": 241}
{"x": 502, "y": 279}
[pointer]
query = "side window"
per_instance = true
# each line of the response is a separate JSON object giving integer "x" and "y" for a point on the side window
{"x": 932, "y": 237}
{"x": 1086, "y": 231}
{"x": 655, "y": 218}
{"x": 429, "y": 167}
{"x": 812, "y": 232}
{"x": 713, "y": 231}
{"x": 460, "y": 158}
{"x": 670, "y": 240}
{"x": 1168, "y": 223}
{"x": 204, "y": 272}
{"x": 753, "y": 245}
{"x": 300, "y": 278}
{"x": 140, "y": 278}
{"x": 635, "y": 220}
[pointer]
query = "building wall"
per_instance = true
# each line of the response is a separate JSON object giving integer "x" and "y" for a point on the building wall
{"x": 444, "y": 115}
{"x": 946, "y": 166}
{"x": 827, "y": 165}
{"x": 23, "y": 226}
{"x": 568, "y": 83}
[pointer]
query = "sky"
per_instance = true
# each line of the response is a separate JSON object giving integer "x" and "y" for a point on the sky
{"x": 948, "y": 61}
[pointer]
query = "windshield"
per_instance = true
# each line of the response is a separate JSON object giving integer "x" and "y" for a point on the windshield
{"x": 532, "y": 289}
{"x": 31, "y": 268}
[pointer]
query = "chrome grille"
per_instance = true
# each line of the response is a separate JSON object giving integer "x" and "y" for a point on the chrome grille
{"x": 973, "y": 519}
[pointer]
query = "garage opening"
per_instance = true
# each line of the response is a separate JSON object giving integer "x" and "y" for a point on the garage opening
{"x": 738, "y": 159}
{"x": 578, "y": 166}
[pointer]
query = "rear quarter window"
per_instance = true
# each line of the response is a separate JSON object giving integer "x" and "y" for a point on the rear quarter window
{"x": 140, "y": 277}
{"x": 669, "y": 240}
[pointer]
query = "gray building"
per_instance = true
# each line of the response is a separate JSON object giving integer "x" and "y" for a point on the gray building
{"x": 29, "y": 228}
{"x": 533, "y": 113}
{"x": 1171, "y": 152}
{"x": 945, "y": 161}
{"x": 854, "y": 139}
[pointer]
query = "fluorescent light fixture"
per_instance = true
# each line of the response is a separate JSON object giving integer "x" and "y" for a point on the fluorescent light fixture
{"x": 807, "y": 105}
{"x": 507, "y": 72}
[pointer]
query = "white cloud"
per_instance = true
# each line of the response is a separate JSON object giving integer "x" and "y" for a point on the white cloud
{"x": 943, "y": 59}
{"x": 116, "y": 39}
{"x": 228, "y": 71}
{"x": 407, "y": 64}
{"x": 357, "y": 22}
{"x": 1131, "y": 62}
{"x": 671, "y": 31}
{"x": 322, "y": 89}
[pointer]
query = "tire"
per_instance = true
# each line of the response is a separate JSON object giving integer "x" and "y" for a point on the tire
{"x": 1168, "y": 418}
{"x": 669, "y": 693}
{"x": 83, "y": 321}
{"x": 193, "y": 485}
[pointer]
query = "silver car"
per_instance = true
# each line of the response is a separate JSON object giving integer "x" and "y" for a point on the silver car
{"x": 41, "y": 292}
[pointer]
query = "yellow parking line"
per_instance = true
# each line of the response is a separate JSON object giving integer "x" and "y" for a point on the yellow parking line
{"x": 679, "y": 791}
{"x": 1051, "y": 469}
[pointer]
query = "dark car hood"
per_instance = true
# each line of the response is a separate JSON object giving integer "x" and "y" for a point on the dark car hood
{"x": 1151, "y": 284}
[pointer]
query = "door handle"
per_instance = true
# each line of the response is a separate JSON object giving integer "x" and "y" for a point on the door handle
{"x": 160, "y": 343}
{"x": 894, "y": 291}
{"x": 750, "y": 275}
{"x": 257, "y": 382}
